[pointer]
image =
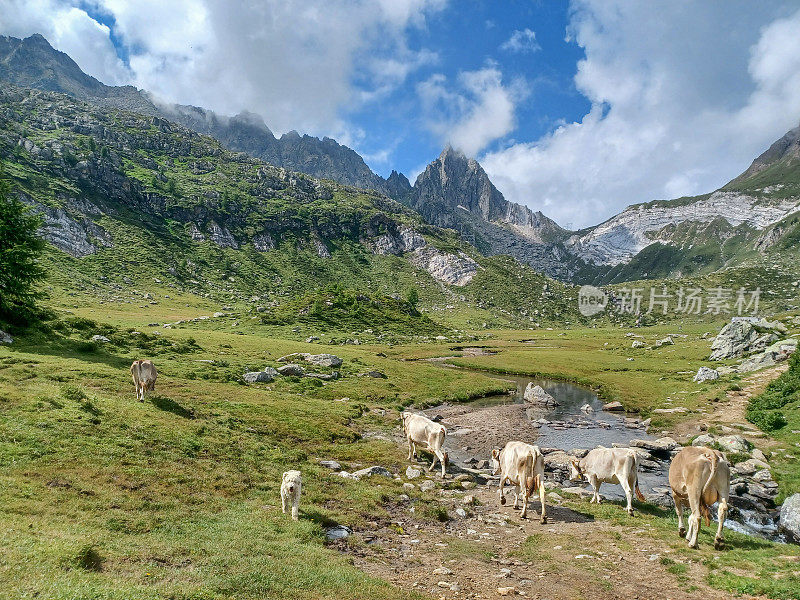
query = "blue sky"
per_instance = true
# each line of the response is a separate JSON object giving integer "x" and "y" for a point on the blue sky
{"x": 577, "y": 108}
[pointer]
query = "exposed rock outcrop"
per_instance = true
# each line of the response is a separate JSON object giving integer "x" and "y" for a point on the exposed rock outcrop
{"x": 453, "y": 269}
{"x": 536, "y": 394}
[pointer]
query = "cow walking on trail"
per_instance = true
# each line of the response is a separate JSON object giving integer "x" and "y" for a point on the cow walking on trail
{"x": 522, "y": 465}
{"x": 421, "y": 431}
{"x": 144, "y": 377}
{"x": 610, "y": 465}
{"x": 700, "y": 476}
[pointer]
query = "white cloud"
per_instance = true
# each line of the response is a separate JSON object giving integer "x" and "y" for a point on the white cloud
{"x": 521, "y": 40}
{"x": 480, "y": 109}
{"x": 301, "y": 64}
{"x": 680, "y": 104}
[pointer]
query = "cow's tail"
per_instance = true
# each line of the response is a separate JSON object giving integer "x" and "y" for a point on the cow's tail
{"x": 531, "y": 481}
{"x": 705, "y": 508}
{"x": 639, "y": 495}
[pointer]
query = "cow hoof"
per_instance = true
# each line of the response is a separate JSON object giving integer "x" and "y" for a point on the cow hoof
{"x": 630, "y": 512}
{"x": 515, "y": 507}
{"x": 682, "y": 532}
{"x": 543, "y": 521}
{"x": 502, "y": 500}
{"x": 693, "y": 546}
{"x": 719, "y": 544}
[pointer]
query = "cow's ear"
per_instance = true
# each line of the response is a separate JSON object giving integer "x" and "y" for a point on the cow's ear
{"x": 495, "y": 453}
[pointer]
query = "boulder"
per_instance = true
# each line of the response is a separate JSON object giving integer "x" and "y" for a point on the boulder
{"x": 667, "y": 341}
{"x": 638, "y": 344}
{"x": 614, "y": 406}
{"x": 337, "y": 532}
{"x": 377, "y": 375}
{"x": 100, "y": 339}
{"x": 292, "y": 369}
{"x": 587, "y": 408}
{"x": 257, "y": 377}
{"x": 742, "y": 336}
{"x": 271, "y": 372}
{"x": 331, "y": 464}
{"x": 706, "y": 374}
{"x": 5, "y": 338}
{"x": 733, "y": 443}
{"x": 535, "y": 394}
{"x": 323, "y": 376}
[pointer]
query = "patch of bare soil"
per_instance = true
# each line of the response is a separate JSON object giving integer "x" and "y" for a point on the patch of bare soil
{"x": 731, "y": 411}
{"x": 479, "y": 555}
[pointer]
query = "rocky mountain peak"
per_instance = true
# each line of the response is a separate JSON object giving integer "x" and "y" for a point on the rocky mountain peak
{"x": 397, "y": 185}
{"x": 784, "y": 151}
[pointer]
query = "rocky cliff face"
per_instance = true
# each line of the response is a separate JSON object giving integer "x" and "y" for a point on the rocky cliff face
{"x": 454, "y": 191}
{"x": 623, "y": 236}
{"x": 32, "y": 62}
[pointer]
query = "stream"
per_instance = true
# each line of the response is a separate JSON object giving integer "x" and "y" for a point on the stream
{"x": 566, "y": 427}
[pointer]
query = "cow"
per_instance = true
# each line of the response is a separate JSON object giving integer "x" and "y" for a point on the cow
{"x": 144, "y": 377}
{"x": 700, "y": 476}
{"x": 420, "y": 430}
{"x": 522, "y": 465}
{"x": 291, "y": 485}
{"x": 610, "y": 465}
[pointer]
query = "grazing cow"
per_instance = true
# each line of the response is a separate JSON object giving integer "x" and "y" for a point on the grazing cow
{"x": 291, "y": 485}
{"x": 522, "y": 465}
{"x": 144, "y": 377}
{"x": 700, "y": 476}
{"x": 610, "y": 465}
{"x": 420, "y": 430}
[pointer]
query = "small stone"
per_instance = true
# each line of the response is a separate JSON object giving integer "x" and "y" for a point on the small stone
{"x": 292, "y": 370}
{"x": 412, "y": 473}
{"x": 100, "y": 339}
{"x": 461, "y": 512}
{"x": 257, "y": 377}
{"x": 331, "y": 464}
{"x": 427, "y": 486}
{"x": 614, "y": 406}
{"x": 442, "y": 571}
{"x": 507, "y": 591}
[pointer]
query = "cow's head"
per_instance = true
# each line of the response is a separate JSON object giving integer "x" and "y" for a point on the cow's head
{"x": 575, "y": 471}
{"x": 495, "y": 462}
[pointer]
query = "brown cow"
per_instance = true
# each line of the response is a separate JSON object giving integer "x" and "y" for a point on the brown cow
{"x": 144, "y": 377}
{"x": 699, "y": 477}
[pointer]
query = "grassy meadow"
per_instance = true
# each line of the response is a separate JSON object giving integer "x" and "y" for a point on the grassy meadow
{"x": 177, "y": 497}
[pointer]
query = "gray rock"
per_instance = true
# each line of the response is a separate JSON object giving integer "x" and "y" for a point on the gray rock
{"x": 638, "y": 344}
{"x": 535, "y": 394}
{"x": 324, "y": 360}
{"x": 661, "y": 446}
{"x": 614, "y": 406}
{"x": 370, "y": 471}
{"x": 5, "y": 338}
{"x": 257, "y": 377}
{"x": 331, "y": 464}
{"x": 667, "y": 341}
{"x": 100, "y": 339}
{"x": 733, "y": 443}
{"x": 271, "y": 372}
{"x": 412, "y": 473}
{"x": 742, "y": 336}
{"x": 337, "y": 532}
{"x": 427, "y": 485}
{"x": 377, "y": 375}
{"x": 587, "y": 408}
{"x": 292, "y": 369}
{"x": 706, "y": 374}
{"x": 453, "y": 269}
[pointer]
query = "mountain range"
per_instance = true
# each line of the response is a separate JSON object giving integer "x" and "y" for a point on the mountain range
{"x": 753, "y": 214}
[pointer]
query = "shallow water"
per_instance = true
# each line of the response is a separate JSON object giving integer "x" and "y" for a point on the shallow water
{"x": 567, "y": 427}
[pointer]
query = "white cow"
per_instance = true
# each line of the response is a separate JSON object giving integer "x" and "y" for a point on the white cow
{"x": 522, "y": 465}
{"x": 610, "y": 465}
{"x": 700, "y": 476}
{"x": 144, "y": 377}
{"x": 291, "y": 485}
{"x": 420, "y": 430}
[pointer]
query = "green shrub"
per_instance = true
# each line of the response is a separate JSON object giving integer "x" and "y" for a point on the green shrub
{"x": 763, "y": 410}
{"x": 73, "y": 393}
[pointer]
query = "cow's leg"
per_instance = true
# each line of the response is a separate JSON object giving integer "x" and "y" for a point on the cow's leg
{"x": 410, "y": 448}
{"x": 523, "y": 489}
{"x": 596, "y": 486}
{"x": 679, "y": 510}
{"x": 440, "y": 455}
{"x": 502, "y": 494}
{"x": 517, "y": 491}
{"x": 694, "y": 519}
{"x": 541, "y": 498}
{"x": 627, "y": 487}
{"x": 433, "y": 463}
{"x": 722, "y": 513}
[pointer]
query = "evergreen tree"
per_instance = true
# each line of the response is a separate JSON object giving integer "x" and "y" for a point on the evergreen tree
{"x": 20, "y": 248}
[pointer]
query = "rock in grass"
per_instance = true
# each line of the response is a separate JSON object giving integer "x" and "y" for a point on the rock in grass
{"x": 412, "y": 473}
{"x": 706, "y": 374}
{"x": 5, "y": 338}
{"x": 377, "y": 375}
{"x": 638, "y": 344}
{"x": 324, "y": 360}
{"x": 370, "y": 471}
{"x": 614, "y": 406}
{"x": 257, "y": 377}
{"x": 100, "y": 339}
{"x": 331, "y": 464}
{"x": 292, "y": 369}
{"x": 789, "y": 522}
{"x": 734, "y": 443}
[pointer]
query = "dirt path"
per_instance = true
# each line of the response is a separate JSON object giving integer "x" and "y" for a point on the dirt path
{"x": 484, "y": 553}
{"x": 730, "y": 413}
